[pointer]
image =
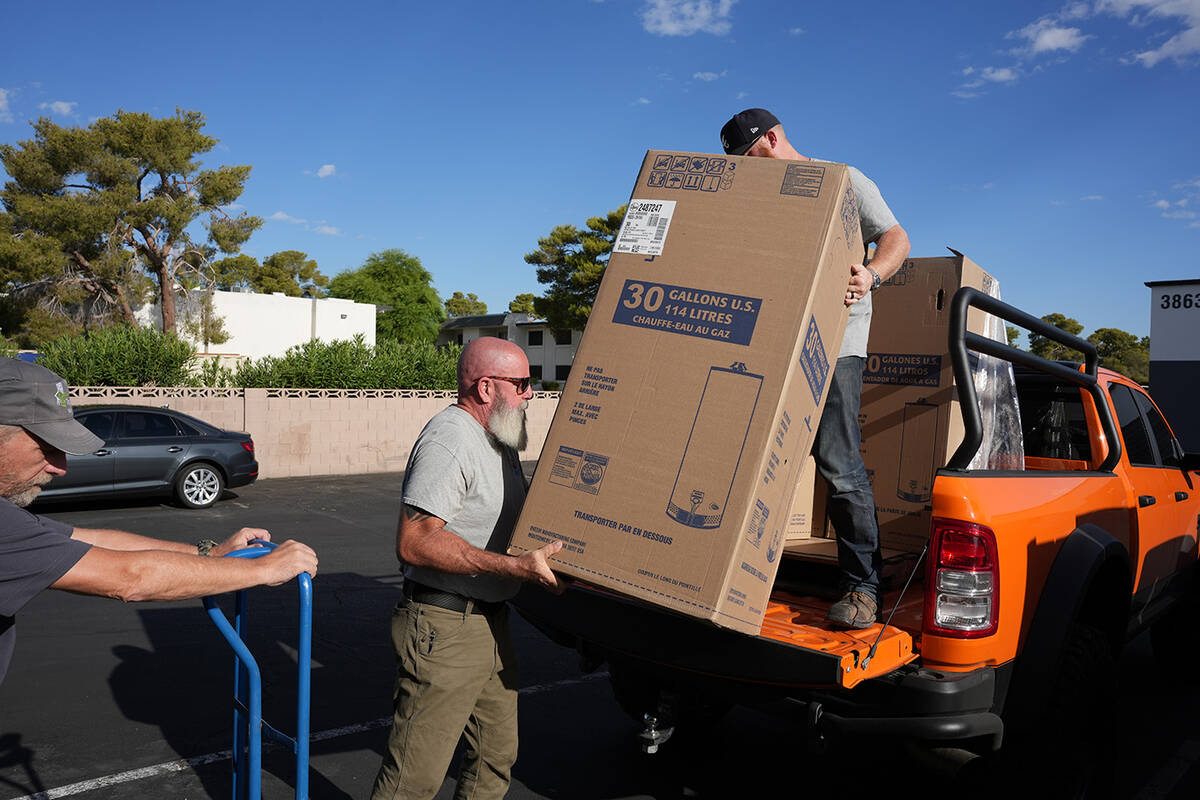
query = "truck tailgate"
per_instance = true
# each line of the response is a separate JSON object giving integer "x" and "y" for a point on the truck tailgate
{"x": 789, "y": 651}
{"x": 794, "y": 621}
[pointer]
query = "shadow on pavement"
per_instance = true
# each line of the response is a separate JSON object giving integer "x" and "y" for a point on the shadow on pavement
{"x": 183, "y": 683}
{"x": 15, "y": 754}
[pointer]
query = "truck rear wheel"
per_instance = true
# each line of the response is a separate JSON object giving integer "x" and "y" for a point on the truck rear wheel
{"x": 1070, "y": 744}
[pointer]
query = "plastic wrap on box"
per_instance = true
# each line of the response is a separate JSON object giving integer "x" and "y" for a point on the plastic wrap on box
{"x": 1003, "y": 446}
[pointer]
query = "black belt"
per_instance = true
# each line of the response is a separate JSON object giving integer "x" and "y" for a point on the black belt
{"x": 420, "y": 593}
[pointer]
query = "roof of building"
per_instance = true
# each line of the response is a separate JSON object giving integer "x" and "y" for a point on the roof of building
{"x": 475, "y": 321}
{"x": 1185, "y": 282}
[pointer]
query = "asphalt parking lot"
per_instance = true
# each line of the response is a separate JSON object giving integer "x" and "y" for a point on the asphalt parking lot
{"x": 105, "y": 700}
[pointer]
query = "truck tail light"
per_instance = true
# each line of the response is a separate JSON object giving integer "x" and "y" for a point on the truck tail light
{"x": 963, "y": 580}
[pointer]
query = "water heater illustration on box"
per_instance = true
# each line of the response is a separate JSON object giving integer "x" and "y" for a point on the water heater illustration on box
{"x": 714, "y": 447}
{"x": 918, "y": 433}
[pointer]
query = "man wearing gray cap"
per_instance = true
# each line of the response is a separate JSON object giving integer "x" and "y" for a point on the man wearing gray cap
{"x": 37, "y": 429}
{"x": 758, "y": 133}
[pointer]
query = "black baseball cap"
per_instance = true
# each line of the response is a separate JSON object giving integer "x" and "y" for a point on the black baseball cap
{"x": 37, "y": 400}
{"x": 745, "y": 128}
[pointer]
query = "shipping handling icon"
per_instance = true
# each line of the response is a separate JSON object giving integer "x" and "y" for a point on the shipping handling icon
{"x": 714, "y": 447}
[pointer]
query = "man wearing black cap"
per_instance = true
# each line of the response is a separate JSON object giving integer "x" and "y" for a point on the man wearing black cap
{"x": 37, "y": 429}
{"x": 756, "y": 132}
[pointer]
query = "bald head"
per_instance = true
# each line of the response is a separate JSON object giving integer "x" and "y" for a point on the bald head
{"x": 493, "y": 387}
{"x": 488, "y": 356}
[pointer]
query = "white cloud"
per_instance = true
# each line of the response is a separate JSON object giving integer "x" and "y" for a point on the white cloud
{"x": 981, "y": 76}
{"x": 1182, "y": 47}
{"x": 1090, "y": 197}
{"x": 1047, "y": 36}
{"x": 999, "y": 74}
{"x": 59, "y": 107}
{"x": 5, "y": 113}
{"x": 1077, "y": 10}
{"x": 326, "y": 170}
{"x": 642, "y": 101}
{"x": 1186, "y": 193}
{"x": 797, "y": 31}
{"x": 314, "y": 225}
{"x": 687, "y": 17}
{"x": 1170, "y": 28}
{"x": 709, "y": 77}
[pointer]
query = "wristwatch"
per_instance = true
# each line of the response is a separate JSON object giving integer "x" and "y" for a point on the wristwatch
{"x": 204, "y": 546}
{"x": 875, "y": 279}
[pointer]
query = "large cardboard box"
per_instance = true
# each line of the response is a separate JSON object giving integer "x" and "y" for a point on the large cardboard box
{"x": 909, "y": 415}
{"x": 676, "y": 446}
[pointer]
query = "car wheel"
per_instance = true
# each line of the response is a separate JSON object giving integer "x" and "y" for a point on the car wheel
{"x": 199, "y": 485}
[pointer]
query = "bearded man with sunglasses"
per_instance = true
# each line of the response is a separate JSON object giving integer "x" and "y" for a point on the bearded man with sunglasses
{"x": 456, "y": 673}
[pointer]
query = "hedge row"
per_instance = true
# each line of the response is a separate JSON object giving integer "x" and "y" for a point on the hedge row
{"x": 130, "y": 356}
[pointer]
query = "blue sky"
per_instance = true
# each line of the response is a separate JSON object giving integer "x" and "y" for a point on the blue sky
{"x": 1054, "y": 144}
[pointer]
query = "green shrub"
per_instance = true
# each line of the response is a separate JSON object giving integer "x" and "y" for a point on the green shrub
{"x": 212, "y": 374}
{"x": 352, "y": 364}
{"x": 122, "y": 355}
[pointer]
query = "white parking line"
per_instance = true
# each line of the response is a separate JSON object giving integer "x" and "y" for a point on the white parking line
{"x": 182, "y": 764}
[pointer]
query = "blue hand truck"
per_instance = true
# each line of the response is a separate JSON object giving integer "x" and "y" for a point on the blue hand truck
{"x": 248, "y": 724}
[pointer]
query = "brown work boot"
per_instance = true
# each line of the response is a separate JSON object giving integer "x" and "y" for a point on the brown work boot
{"x": 854, "y": 610}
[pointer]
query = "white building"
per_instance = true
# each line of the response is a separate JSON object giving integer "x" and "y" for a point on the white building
{"x": 268, "y": 324}
{"x": 550, "y": 351}
{"x": 1175, "y": 355}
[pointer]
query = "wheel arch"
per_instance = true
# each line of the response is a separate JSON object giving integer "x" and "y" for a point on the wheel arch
{"x": 205, "y": 459}
{"x": 1090, "y": 582}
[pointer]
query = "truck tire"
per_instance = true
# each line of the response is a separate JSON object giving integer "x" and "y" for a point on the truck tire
{"x": 1070, "y": 746}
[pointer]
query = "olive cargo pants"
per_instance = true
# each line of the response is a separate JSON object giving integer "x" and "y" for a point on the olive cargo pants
{"x": 456, "y": 675}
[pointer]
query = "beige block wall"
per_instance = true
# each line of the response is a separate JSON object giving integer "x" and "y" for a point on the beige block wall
{"x": 317, "y": 432}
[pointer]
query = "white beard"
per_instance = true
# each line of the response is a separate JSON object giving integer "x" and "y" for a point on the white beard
{"x": 507, "y": 424}
{"x": 25, "y": 494}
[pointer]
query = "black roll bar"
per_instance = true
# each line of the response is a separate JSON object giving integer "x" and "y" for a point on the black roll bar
{"x": 961, "y": 340}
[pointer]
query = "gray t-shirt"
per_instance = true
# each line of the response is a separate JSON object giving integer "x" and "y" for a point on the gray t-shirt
{"x": 460, "y": 473}
{"x": 34, "y": 553}
{"x": 875, "y": 219}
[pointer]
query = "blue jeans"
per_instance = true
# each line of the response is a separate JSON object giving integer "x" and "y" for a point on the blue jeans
{"x": 851, "y": 505}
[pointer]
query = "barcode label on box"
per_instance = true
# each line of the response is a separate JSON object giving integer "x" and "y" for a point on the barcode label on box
{"x": 644, "y": 231}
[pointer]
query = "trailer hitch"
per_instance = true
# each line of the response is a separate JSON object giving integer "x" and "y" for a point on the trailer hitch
{"x": 652, "y": 735}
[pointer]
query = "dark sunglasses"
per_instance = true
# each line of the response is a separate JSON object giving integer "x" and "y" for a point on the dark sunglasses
{"x": 522, "y": 384}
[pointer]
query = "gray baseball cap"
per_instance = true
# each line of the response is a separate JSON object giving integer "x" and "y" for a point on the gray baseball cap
{"x": 36, "y": 399}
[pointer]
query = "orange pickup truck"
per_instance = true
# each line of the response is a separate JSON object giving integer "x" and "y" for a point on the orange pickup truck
{"x": 1001, "y": 636}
